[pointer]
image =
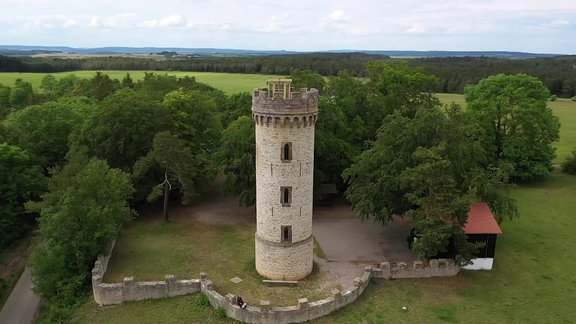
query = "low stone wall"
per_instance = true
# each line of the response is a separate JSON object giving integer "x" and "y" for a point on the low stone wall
{"x": 303, "y": 312}
{"x": 416, "y": 269}
{"x": 116, "y": 293}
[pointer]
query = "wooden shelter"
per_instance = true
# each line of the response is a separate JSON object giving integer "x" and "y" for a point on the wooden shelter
{"x": 482, "y": 227}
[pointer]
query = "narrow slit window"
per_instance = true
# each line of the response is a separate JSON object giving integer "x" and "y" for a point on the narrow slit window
{"x": 286, "y": 196}
{"x": 286, "y": 234}
{"x": 286, "y": 154}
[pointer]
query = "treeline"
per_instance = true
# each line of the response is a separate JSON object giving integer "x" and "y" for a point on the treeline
{"x": 557, "y": 73}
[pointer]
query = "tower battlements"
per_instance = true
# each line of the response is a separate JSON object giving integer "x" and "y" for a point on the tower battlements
{"x": 281, "y": 98}
{"x": 281, "y": 105}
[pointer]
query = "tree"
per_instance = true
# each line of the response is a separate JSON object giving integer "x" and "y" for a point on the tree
{"x": 426, "y": 164}
{"x": 122, "y": 128}
{"x": 177, "y": 162}
{"x": 86, "y": 205}
{"x": 236, "y": 157}
{"x": 21, "y": 94}
{"x": 194, "y": 117}
{"x": 238, "y": 104}
{"x": 44, "y": 130}
{"x": 519, "y": 127}
{"x": 195, "y": 121}
{"x": 20, "y": 180}
{"x": 4, "y": 100}
{"x": 307, "y": 79}
{"x": 101, "y": 86}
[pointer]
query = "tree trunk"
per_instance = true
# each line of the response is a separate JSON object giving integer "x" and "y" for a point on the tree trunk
{"x": 166, "y": 200}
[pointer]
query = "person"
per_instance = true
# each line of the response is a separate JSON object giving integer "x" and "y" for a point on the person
{"x": 411, "y": 238}
{"x": 240, "y": 302}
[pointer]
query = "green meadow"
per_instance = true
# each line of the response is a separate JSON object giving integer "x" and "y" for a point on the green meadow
{"x": 230, "y": 83}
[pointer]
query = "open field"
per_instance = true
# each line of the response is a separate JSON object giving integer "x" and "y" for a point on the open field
{"x": 230, "y": 83}
{"x": 564, "y": 109}
{"x": 532, "y": 280}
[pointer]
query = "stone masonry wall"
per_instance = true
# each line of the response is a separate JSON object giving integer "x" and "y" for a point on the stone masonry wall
{"x": 303, "y": 311}
{"x": 279, "y": 263}
{"x": 116, "y": 293}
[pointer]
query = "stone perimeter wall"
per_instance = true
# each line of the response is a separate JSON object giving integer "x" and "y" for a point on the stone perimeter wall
{"x": 116, "y": 293}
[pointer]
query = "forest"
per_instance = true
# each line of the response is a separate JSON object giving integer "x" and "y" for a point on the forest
{"x": 80, "y": 159}
{"x": 557, "y": 73}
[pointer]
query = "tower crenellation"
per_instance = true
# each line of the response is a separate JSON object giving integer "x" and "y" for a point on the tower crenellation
{"x": 285, "y": 121}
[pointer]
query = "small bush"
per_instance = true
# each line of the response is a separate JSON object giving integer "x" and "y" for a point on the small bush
{"x": 221, "y": 312}
{"x": 553, "y": 98}
{"x": 570, "y": 165}
{"x": 203, "y": 300}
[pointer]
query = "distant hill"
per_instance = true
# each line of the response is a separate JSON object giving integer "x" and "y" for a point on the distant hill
{"x": 32, "y": 50}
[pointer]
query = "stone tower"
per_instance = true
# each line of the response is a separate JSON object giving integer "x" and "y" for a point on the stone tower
{"x": 285, "y": 122}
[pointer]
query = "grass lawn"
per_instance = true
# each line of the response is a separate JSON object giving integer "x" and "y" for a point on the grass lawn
{"x": 230, "y": 83}
{"x": 149, "y": 249}
{"x": 564, "y": 109}
{"x": 532, "y": 280}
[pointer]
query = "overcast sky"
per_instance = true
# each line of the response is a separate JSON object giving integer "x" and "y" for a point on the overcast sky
{"x": 306, "y": 25}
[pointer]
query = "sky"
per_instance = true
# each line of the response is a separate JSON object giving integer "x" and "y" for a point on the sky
{"x": 534, "y": 26}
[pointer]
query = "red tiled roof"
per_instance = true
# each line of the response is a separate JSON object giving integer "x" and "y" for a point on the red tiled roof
{"x": 481, "y": 220}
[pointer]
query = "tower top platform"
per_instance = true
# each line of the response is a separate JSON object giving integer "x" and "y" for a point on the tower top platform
{"x": 281, "y": 98}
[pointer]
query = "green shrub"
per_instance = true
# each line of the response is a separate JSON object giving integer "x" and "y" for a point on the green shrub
{"x": 570, "y": 165}
{"x": 203, "y": 300}
{"x": 221, "y": 312}
{"x": 553, "y": 98}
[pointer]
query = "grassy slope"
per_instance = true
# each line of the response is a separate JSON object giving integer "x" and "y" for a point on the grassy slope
{"x": 564, "y": 109}
{"x": 230, "y": 83}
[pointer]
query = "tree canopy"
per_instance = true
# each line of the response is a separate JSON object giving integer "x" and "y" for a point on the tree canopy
{"x": 83, "y": 211}
{"x": 20, "y": 180}
{"x": 237, "y": 160}
{"x": 425, "y": 164}
{"x": 44, "y": 129}
{"x": 519, "y": 127}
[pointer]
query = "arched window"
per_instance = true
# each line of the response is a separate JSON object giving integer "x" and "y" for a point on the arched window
{"x": 286, "y": 154}
{"x": 286, "y": 234}
{"x": 286, "y": 196}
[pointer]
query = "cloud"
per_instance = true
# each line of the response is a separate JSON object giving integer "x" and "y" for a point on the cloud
{"x": 338, "y": 15}
{"x": 172, "y": 20}
{"x": 303, "y": 24}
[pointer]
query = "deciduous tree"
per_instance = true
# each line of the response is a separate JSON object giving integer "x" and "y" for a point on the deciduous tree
{"x": 84, "y": 209}
{"x": 236, "y": 157}
{"x": 519, "y": 127}
{"x": 44, "y": 130}
{"x": 425, "y": 163}
{"x": 20, "y": 180}
{"x": 178, "y": 164}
